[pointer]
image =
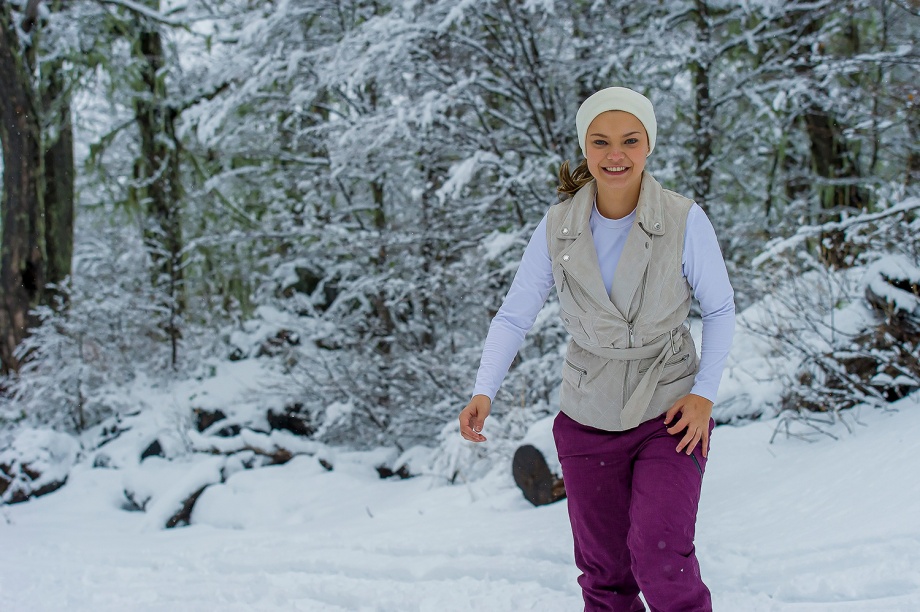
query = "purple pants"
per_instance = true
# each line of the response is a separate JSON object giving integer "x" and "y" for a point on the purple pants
{"x": 632, "y": 504}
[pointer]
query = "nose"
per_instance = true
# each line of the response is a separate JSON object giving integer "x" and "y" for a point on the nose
{"x": 615, "y": 152}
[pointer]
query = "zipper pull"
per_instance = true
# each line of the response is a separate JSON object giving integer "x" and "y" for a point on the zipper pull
{"x": 631, "y": 337}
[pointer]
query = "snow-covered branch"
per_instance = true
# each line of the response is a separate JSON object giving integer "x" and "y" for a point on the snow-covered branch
{"x": 780, "y": 245}
{"x": 146, "y": 11}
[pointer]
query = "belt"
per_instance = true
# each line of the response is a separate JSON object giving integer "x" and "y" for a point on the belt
{"x": 673, "y": 340}
{"x": 665, "y": 345}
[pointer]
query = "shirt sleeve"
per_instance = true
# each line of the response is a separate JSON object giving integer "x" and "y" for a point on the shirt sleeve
{"x": 704, "y": 269}
{"x": 529, "y": 290}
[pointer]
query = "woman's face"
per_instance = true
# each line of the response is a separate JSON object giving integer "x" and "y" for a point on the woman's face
{"x": 617, "y": 146}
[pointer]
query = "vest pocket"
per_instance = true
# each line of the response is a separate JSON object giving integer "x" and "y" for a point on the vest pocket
{"x": 571, "y": 292}
{"x": 575, "y": 325}
{"x": 574, "y": 374}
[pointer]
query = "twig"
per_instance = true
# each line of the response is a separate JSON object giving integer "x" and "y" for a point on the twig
{"x": 805, "y": 420}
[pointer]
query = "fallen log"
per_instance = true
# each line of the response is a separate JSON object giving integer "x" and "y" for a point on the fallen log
{"x": 532, "y": 474}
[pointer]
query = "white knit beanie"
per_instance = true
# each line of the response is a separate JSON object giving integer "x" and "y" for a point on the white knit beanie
{"x": 621, "y": 99}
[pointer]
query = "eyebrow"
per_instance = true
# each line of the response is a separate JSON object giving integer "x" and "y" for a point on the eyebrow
{"x": 624, "y": 135}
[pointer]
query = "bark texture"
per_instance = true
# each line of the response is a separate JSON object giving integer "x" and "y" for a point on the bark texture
{"x": 158, "y": 187}
{"x": 59, "y": 179}
{"x": 22, "y": 243}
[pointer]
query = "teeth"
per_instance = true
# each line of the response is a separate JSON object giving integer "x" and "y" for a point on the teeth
{"x": 615, "y": 168}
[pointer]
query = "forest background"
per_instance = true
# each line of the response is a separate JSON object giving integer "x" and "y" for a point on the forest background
{"x": 340, "y": 190}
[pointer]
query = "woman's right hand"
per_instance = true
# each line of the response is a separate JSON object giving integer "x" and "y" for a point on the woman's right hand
{"x": 473, "y": 416}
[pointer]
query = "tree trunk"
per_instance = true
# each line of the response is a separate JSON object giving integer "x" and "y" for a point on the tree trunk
{"x": 59, "y": 181}
{"x": 702, "y": 116}
{"x": 835, "y": 176}
{"x": 158, "y": 187}
{"x": 912, "y": 175}
{"x": 833, "y": 161}
{"x": 836, "y": 166}
{"x": 22, "y": 277}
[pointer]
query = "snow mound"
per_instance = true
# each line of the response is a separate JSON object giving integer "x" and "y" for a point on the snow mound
{"x": 37, "y": 462}
{"x": 891, "y": 279}
{"x": 166, "y": 490}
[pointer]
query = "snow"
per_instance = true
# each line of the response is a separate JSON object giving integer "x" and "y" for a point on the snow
{"x": 894, "y": 267}
{"x": 175, "y": 482}
{"x": 145, "y": 10}
{"x": 778, "y": 245}
{"x": 752, "y": 380}
{"x": 335, "y": 413}
{"x": 497, "y": 244}
{"x": 462, "y": 174}
{"x": 45, "y": 453}
{"x": 540, "y": 436}
{"x": 827, "y": 525}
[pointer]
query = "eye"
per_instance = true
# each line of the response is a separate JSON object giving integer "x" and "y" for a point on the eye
{"x": 598, "y": 142}
{"x": 632, "y": 141}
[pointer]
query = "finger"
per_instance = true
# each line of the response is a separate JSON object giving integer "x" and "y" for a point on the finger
{"x": 696, "y": 438}
{"x": 673, "y": 410}
{"x": 466, "y": 428}
{"x": 688, "y": 441}
{"x": 684, "y": 442}
{"x": 680, "y": 425}
{"x": 706, "y": 442}
{"x": 476, "y": 424}
{"x": 465, "y": 425}
{"x": 477, "y": 428}
{"x": 472, "y": 436}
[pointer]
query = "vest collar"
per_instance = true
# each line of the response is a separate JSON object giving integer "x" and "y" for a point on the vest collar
{"x": 649, "y": 215}
{"x": 579, "y": 214}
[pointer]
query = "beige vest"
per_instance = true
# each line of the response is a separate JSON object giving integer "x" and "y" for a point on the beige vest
{"x": 631, "y": 356}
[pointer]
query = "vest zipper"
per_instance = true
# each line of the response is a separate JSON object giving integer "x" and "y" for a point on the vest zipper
{"x": 631, "y": 324}
{"x": 581, "y": 372}
{"x": 565, "y": 281}
{"x": 632, "y": 337}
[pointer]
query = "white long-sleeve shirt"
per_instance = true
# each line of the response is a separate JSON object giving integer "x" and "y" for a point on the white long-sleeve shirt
{"x": 703, "y": 266}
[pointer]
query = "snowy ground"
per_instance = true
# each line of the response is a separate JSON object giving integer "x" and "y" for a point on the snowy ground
{"x": 828, "y": 525}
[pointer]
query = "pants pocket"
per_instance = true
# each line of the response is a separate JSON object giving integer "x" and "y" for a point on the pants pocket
{"x": 699, "y": 468}
{"x": 697, "y": 455}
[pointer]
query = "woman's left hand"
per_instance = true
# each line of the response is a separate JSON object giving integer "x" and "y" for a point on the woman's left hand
{"x": 695, "y": 412}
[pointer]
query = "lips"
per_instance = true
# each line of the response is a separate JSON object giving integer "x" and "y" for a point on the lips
{"x": 615, "y": 170}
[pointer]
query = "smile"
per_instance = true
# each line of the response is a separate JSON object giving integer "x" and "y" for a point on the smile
{"x": 615, "y": 169}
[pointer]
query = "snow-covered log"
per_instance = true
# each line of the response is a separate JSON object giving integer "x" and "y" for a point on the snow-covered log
{"x": 536, "y": 467}
{"x": 37, "y": 462}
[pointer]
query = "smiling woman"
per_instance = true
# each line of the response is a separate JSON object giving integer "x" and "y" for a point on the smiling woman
{"x": 616, "y": 148}
{"x": 625, "y": 256}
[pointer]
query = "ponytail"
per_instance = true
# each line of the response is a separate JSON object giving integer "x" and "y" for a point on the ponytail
{"x": 571, "y": 181}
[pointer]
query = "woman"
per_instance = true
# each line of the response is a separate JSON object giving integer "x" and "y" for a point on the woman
{"x": 624, "y": 255}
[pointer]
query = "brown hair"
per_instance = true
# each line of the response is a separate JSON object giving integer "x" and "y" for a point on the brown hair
{"x": 572, "y": 181}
